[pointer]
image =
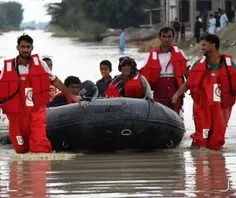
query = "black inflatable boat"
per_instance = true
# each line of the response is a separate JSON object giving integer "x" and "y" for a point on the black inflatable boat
{"x": 114, "y": 124}
{"x": 105, "y": 125}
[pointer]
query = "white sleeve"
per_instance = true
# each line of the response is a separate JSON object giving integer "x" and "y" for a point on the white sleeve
{"x": 52, "y": 77}
{"x": 188, "y": 64}
{"x": 147, "y": 89}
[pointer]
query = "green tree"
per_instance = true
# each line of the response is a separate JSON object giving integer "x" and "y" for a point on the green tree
{"x": 3, "y": 17}
{"x": 91, "y": 16}
{"x": 11, "y": 15}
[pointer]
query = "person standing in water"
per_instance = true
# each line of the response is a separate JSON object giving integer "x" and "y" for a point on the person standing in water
{"x": 212, "y": 84}
{"x": 24, "y": 84}
{"x": 166, "y": 70}
{"x": 122, "y": 41}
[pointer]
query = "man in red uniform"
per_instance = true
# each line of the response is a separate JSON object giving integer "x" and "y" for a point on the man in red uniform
{"x": 212, "y": 84}
{"x": 24, "y": 85}
{"x": 165, "y": 70}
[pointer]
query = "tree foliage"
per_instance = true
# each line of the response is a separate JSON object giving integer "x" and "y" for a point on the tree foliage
{"x": 94, "y": 15}
{"x": 11, "y": 15}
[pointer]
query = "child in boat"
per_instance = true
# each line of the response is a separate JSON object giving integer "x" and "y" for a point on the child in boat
{"x": 104, "y": 82}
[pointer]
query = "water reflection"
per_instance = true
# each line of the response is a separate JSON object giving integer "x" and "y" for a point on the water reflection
{"x": 170, "y": 173}
{"x": 207, "y": 175}
{"x": 129, "y": 175}
{"x": 28, "y": 178}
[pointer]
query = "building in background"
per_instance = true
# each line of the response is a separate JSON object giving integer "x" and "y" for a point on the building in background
{"x": 187, "y": 10}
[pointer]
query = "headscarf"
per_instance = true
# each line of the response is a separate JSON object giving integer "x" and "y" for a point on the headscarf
{"x": 118, "y": 80}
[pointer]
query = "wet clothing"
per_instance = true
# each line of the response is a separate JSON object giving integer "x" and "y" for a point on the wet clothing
{"x": 102, "y": 86}
{"x": 213, "y": 90}
{"x": 25, "y": 103}
{"x": 165, "y": 72}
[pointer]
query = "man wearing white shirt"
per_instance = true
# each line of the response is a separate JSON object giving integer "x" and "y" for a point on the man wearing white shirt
{"x": 165, "y": 70}
{"x": 24, "y": 84}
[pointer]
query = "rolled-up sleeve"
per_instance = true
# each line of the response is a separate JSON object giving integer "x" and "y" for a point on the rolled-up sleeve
{"x": 52, "y": 77}
{"x": 147, "y": 89}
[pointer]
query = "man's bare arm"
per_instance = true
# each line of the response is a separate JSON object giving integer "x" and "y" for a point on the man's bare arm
{"x": 180, "y": 91}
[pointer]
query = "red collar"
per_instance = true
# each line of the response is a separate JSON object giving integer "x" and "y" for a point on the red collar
{"x": 19, "y": 62}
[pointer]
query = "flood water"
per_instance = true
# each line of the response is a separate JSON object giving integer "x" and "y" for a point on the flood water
{"x": 177, "y": 172}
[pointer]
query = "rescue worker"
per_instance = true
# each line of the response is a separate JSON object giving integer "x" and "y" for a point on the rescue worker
{"x": 165, "y": 70}
{"x": 212, "y": 84}
{"x": 53, "y": 89}
{"x": 73, "y": 83}
{"x": 130, "y": 83}
{"x": 24, "y": 85}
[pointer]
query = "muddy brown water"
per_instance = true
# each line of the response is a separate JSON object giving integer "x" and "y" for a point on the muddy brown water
{"x": 180, "y": 172}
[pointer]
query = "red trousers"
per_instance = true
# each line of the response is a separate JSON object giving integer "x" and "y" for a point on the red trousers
{"x": 28, "y": 132}
{"x": 210, "y": 125}
{"x": 164, "y": 90}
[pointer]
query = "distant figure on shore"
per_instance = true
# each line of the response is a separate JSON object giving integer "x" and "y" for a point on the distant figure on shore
{"x": 122, "y": 41}
{"x": 223, "y": 20}
{"x": 212, "y": 24}
{"x": 182, "y": 31}
{"x": 217, "y": 17}
{"x": 197, "y": 29}
{"x": 176, "y": 27}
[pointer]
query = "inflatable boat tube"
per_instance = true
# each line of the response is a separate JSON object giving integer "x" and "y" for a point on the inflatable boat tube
{"x": 88, "y": 92}
{"x": 103, "y": 125}
{"x": 113, "y": 124}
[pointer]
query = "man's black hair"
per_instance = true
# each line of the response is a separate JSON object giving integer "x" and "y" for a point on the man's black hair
{"x": 107, "y": 63}
{"x": 47, "y": 59}
{"x": 70, "y": 80}
{"x": 213, "y": 39}
{"x": 166, "y": 30}
{"x": 25, "y": 37}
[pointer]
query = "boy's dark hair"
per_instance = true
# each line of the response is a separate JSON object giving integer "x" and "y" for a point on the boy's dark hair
{"x": 213, "y": 39}
{"x": 107, "y": 63}
{"x": 166, "y": 30}
{"x": 70, "y": 80}
{"x": 47, "y": 59}
{"x": 25, "y": 37}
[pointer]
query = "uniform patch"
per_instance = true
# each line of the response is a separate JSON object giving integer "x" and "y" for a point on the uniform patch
{"x": 29, "y": 97}
{"x": 205, "y": 133}
{"x": 216, "y": 93}
{"x": 36, "y": 61}
{"x": 154, "y": 55}
{"x": 9, "y": 66}
{"x": 228, "y": 61}
{"x": 20, "y": 140}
